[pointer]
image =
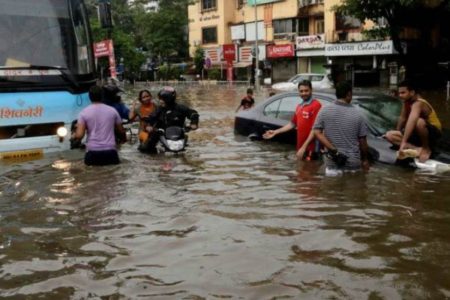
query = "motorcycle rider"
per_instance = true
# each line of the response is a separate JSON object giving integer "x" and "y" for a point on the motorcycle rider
{"x": 169, "y": 113}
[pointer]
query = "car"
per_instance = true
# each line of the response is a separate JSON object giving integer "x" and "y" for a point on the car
{"x": 380, "y": 111}
{"x": 318, "y": 81}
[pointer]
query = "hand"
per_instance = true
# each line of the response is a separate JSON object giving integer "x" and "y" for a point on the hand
{"x": 365, "y": 165}
{"x": 300, "y": 153}
{"x": 193, "y": 126}
{"x": 269, "y": 134}
{"x": 149, "y": 128}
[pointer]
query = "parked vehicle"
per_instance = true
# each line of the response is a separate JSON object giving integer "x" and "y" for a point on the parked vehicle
{"x": 318, "y": 81}
{"x": 46, "y": 70}
{"x": 381, "y": 113}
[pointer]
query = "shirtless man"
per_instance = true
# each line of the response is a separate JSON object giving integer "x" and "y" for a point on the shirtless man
{"x": 418, "y": 126}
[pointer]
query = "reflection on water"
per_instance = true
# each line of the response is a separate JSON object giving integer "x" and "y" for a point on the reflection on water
{"x": 229, "y": 218}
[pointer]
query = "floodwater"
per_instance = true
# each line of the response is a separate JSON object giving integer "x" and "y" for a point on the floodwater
{"x": 229, "y": 219}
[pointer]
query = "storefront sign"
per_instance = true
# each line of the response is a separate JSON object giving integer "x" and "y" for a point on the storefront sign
{"x": 106, "y": 48}
{"x": 229, "y": 52}
{"x": 311, "y": 41}
{"x": 362, "y": 48}
{"x": 238, "y": 32}
{"x": 259, "y": 2}
{"x": 207, "y": 18}
{"x": 276, "y": 51}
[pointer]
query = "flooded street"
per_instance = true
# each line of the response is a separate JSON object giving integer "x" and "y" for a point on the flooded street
{"x": 228, "y": 219}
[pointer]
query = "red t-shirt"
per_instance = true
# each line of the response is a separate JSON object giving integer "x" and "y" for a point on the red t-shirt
{"x": 304, "y": 117}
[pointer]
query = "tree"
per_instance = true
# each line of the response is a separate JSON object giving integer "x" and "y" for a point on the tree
{"x": 199, "y": 59}
{"x": 423, "y": 16}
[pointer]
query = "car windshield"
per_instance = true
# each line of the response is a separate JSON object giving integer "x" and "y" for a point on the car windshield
{"x": 50, "y": 33}
{"x": 311, "y": 77}
{"x": 381, "y": 111}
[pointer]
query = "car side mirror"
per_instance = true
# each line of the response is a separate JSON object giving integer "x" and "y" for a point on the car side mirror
{"x": 104, "y": 13}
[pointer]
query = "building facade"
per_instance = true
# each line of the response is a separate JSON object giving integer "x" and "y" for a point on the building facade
{"x": 293, "y": 36}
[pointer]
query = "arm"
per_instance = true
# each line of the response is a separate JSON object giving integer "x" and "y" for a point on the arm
{"x": 301, "y": 151}
{"x": 237, "y": 109}
{"x": 81, "y": 130}
{"x": 364, "y": 148}
{"x": 402, "y": 119}
{"x": 120, "y": 132}
{"x": 132, "y": 115}
{"x": 318, "y": 133}
{"x": 271, "y": 133}
{"x": 411, "y": 123}
{"x": 193, "y": 116}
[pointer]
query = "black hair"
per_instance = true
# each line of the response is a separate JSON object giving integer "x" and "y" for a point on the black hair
{"x": 95, "y": 93}
{"x": 305, "y": 83}
{"x": 410, "y": 85}
{"x": 142, "y": 92}
{"x": 342, "y": 89}
{"x": 250, "y": 91}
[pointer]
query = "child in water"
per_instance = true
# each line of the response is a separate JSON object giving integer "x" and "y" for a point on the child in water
{"x": 247, "y": 102}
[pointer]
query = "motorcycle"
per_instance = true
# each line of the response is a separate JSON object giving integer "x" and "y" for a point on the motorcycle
{"x": 173, "y": 139}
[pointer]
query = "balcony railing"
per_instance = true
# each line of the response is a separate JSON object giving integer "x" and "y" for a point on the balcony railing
{"x": 303, "y": 3}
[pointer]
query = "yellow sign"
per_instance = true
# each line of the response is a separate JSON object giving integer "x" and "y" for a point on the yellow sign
{"x": 22, "y": 155}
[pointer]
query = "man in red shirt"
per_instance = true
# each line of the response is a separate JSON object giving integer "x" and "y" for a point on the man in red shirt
{"x": 304, "y": 117}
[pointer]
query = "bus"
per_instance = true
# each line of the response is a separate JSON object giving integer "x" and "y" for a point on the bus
{"x": 46, "y": 70}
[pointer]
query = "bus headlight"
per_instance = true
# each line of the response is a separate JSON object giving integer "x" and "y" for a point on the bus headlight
{"x": 61, "y": 132}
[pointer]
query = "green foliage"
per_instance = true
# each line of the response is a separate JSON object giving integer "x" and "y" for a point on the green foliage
{"x": 376, "y": 33}
{"x": 167, "y": 72}
{"x": 137, "y": 34}
{"x": 214, "y": 74}
{"x": 199, "y": 56}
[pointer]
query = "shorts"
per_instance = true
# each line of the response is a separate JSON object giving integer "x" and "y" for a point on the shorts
{"x": 434, "y": 134}
{"x": 101, "y": 158}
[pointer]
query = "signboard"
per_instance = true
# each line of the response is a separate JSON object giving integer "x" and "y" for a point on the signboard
{"x": 361, "y": 48}
{"x": 238, "y": 32}
{"x": 310, "y": 41}
{"x": 260, "y": 2}
{"x": 277, "y": 51}
{"x": 229, "y": 52}
{"x": 106, "y": 48}
{"x": 213, "y": 54}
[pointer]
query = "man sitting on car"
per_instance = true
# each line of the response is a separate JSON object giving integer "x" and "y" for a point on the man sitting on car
{"x": 305, "y": 115}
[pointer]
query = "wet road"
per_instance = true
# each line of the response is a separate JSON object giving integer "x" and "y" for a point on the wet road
{"x": 229, "y": 219}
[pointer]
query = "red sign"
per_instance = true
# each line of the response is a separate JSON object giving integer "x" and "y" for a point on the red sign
{"x": 103, "y": 48}
{"x": 229, "y": 52}
{"x": 275, "y": 51}
{"x": 106, "y": 48}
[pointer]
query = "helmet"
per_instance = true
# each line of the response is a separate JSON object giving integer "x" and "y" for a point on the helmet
{"x": 112, "y": 94}
{"x": 168, "y": 95}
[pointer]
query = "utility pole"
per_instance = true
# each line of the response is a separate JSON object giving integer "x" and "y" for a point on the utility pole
{"x": 256, "y": 48}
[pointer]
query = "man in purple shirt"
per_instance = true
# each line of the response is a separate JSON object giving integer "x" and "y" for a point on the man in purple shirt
{"x": 100, "y": 121}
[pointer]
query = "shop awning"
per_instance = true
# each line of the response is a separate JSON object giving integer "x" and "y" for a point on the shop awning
{"x": 242, "y": 64}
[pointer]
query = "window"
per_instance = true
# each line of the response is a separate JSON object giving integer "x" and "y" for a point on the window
{"x": 283, "y": 27}
{"x": 209, "y": 35}
{"x": 283, "y": 108}
{"x": 287, "y": 107}
{"x": 320, "y": 26}
{"x": 271, "y": 110}
{"x": 347, "y": 22}
{"x": 208, "y": 4}
{"x": 303, "y": 26}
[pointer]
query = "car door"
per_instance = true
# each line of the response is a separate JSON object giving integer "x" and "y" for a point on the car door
{"x": 278, "y": 113}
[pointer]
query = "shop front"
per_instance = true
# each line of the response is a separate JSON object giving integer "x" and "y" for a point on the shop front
{"x": 363, "y": 63}
{"x": 311, "y": 54}
{"x": 282, "y": 61}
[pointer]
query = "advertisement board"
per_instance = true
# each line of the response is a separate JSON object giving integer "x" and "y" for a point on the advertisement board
{"x": 277, "y": 51}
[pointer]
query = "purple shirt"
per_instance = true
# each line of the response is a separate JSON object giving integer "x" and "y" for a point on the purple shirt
{"x": 100, "y": 121}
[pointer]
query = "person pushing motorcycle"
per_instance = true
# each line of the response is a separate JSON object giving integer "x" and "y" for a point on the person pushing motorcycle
{"x": 168, "y": 114}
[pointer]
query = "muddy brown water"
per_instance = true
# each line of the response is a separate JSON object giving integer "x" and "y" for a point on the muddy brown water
{"x": 229, "y": 219}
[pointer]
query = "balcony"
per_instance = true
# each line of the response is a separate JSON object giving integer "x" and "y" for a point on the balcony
{"x": 304, "y": 3}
